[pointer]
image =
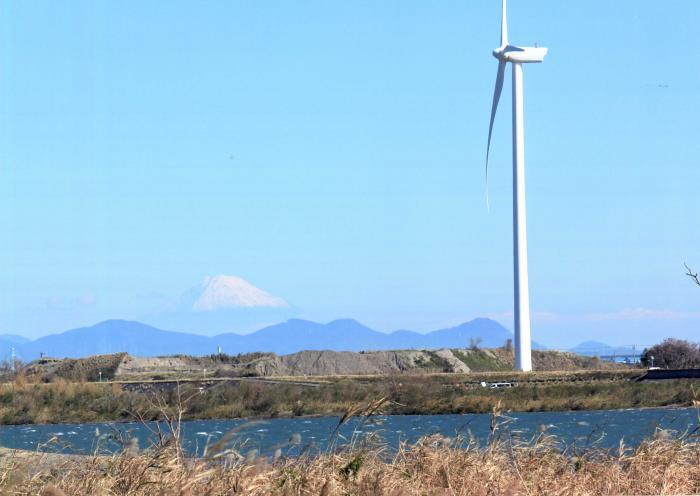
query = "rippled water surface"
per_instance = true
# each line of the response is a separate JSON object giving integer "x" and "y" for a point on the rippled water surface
{"x": 603, "y": 428}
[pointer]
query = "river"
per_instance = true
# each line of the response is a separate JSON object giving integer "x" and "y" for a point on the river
{"x": 293, "y": 436}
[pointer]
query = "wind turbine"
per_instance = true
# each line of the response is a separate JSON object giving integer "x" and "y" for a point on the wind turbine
{"x": 516, "y": 56}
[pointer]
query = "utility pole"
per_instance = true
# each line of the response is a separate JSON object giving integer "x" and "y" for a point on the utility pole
{"x": 13, "y": 358}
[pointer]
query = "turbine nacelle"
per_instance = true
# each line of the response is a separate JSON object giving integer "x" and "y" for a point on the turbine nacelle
{"x": 520, "y": 55}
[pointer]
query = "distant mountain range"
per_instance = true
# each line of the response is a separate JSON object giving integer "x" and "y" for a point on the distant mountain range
{"x": 596, "y": 348}
{"x": 294, "y": 335}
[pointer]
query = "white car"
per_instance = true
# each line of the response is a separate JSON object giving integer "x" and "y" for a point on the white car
{"x": 499, "y": 385}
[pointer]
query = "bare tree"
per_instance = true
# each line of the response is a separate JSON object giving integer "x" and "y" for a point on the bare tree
{"x": 474, "y": 343}
{"x": 11, "y": 370}
{"x": 166, "y": 428}
{"x": 672, "y": 354}
{"x": 692, "y": 275}
{"x": 509, "y": 345}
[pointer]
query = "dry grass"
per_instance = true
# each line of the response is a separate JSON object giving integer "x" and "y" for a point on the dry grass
{"x": 62, "y": 401}
{"x": 433, "y": 467}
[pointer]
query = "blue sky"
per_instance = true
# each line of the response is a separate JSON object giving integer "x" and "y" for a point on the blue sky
{"x": 332, "y": 153}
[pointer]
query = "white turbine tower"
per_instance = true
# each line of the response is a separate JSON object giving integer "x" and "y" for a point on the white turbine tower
{"x": 517, "y": 56}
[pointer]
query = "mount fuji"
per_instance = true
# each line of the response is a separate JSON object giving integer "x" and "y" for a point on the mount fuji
{"x": 222, "y": 303}
{"x": 225, "y": 292}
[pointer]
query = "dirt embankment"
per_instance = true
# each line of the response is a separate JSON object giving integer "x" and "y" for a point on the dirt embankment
{"x": 94, "y": 368}
{"x": 305, "y": 363}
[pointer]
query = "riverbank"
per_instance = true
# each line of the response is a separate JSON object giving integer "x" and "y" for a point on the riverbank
{"x": 79, "y": 402}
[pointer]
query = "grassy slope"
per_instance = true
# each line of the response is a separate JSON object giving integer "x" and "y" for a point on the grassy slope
{"x": 483, "y": 360}
{"x": 499, "y": 359}
{"x": 81, "y": 402}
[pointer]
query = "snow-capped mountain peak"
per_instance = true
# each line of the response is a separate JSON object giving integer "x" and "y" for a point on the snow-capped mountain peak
{"x": 221, "y": 292}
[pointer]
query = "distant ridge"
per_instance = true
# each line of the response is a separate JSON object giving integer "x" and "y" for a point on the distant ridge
{"x": 13, "y": 339}
{"x": 135, "y": 338}
{"x": 596, "y": 348}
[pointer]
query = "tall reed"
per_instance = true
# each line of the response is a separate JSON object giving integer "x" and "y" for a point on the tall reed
{"x": 668, "y": 463}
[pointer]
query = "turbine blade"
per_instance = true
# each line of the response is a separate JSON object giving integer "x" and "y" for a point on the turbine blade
{"x": 500, "y": 76}
{"x": 504, "y": 26}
